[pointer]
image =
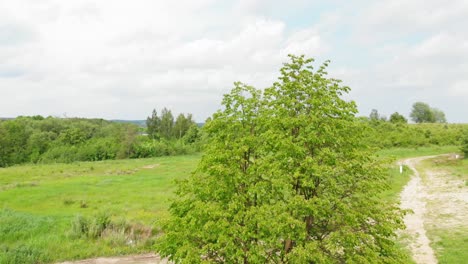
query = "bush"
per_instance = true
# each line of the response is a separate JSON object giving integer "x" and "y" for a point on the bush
{"x": 388, "y": 135}
{"x": 464, "y": 146}
{"x": 145, "y": 147}
{"x": 114, "y": 232}
{"x": 32, "y": 139}
{"x": 92, "y": 227}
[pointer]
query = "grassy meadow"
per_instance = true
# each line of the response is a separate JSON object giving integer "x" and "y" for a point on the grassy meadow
{"x": 59, "y": 212}
{"x": 41, "y": 205}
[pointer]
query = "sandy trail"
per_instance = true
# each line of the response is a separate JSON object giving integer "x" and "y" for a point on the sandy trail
{"x": 413, "y": 197}
{"x": 438, "y": 202}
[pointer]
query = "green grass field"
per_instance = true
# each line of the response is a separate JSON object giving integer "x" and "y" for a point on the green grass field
{"x": 38, "y": 204}
{"x": 121, "y": 201}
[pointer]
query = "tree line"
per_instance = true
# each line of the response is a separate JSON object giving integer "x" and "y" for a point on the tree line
{"x": 420, "y": 113}
{"x": 430, "y": 128}
{"x": 39, "y": 139}
{"x": 163, "y": 126}
{"x": 36, "y": 139}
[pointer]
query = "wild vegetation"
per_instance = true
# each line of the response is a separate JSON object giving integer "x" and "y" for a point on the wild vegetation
{"x": 382, "y": 134}
{"x": 423, "y": 113}
{"x": 45, "y": 140}
{"x": 287, "y": 174}
{"x": 464, "y": 145}
{"x": 58, "y": 212}
{"x": 284, "y": 178}
{"x": 48, "y": 210}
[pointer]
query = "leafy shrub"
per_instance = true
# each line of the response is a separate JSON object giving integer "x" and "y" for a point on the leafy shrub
{"x": 146, "y": 147}
{"x": 464, "y": 146}
{"x": 92, "y": 227}
{"x": 33, "y": 139}
{"x": 114, "y": 232}
{"x": 388, "y": 135}
{"x": 79, "y": 226}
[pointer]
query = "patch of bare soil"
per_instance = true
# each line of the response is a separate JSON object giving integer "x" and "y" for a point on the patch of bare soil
{"x": 152, "y": 166}
{"x": 136, "y": 259}
{"x": 438, "y": 201}
{"x": 121, "y": 172}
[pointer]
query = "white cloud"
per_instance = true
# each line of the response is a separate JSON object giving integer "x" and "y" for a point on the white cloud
{"x": 102, "y": 58}
{"x": 406, "y": 51}
{"x": 119, "y": 59}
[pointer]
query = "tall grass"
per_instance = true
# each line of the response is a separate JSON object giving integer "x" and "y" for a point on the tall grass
{"x": 85, "y": 209}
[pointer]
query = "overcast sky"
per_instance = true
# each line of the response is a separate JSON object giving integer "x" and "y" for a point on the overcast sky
{"x": 120, "y": 59}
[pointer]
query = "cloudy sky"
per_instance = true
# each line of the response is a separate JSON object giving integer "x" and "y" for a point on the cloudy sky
{"x": 120, "y": 59}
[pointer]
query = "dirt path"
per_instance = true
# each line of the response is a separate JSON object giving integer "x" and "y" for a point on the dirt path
{"x": 136, "y": 259}
{"x": 437, "y": 201}
{"x": 413, "y": 197}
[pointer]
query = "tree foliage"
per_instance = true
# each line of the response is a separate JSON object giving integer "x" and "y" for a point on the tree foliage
{"x": 165, "y": 127}
{"x": 167, "y": 123}
{"x": 182, "y": 125}
{"x": 284, "y": 179}
{"x": 439, "y": 116}
{"x": 376, "y": 117}
{"x": 38, "y": 139}
{"x": 153, "y": 125}
{"x": 423, "y": 113}
{"x": 464, "y": 145}
{"x": 397, "y": 118}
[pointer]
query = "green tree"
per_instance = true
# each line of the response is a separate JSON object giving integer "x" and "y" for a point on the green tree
{"x": 73, "y": 136}
{"x": 167, "y": 123}
{"x": 14, "y": 135}
{"x": 439, "y": 116}
{"x": 284, "y": 179}
{"x": 182, "y": 125}
{"x": 192, "y": 135}
{"x": 4, "y": 146}
{"x": 38, "y": 143}
{"x": 153, "y": 125}
{"x": 374, "y": 115}
{"x": 464, "y": 145}
{"x": 422, "y": 113}
{"x": 127, "y": 137}
{"x": 397, "y": 118}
